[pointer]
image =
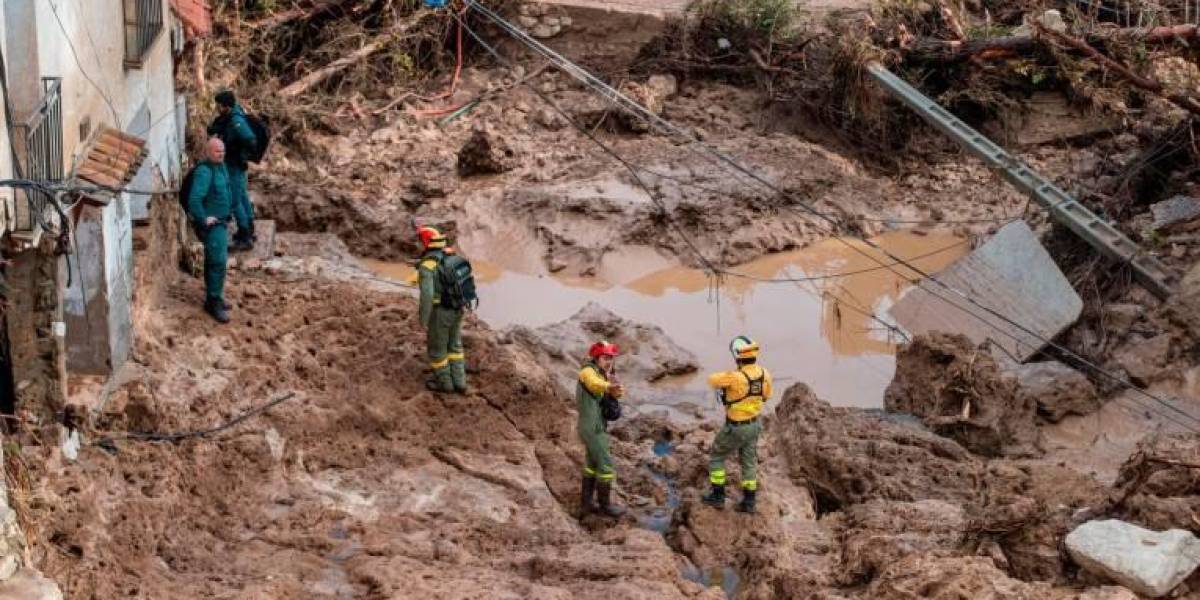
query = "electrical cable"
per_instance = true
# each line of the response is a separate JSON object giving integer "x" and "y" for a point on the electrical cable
{"x": 79, "y": 64}
{"x": 713, "y": 269}
{"x": 615, "y": 96}
{"x": 107, "y": 441}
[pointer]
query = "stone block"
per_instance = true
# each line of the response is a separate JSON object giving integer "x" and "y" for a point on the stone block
{"x": 1151, "y": 563}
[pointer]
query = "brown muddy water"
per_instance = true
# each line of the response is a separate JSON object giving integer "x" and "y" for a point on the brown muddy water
{"x": 809, "y": 331}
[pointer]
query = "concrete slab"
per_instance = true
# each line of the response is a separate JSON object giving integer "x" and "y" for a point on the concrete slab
{"x": 264, "y": 248}
{"x": 1011, "y": 274}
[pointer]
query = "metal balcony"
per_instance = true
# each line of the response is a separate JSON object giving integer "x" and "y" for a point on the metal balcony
{"x": 143, "y": 23}
{"x": 42, "y": 135}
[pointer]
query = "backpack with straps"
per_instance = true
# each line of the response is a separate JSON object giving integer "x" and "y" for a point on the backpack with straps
{"x": 185, "y": 190}
{"x": 458, "y": 283}
{"x": 754, "y": 387}
{"x": 262, "y": 134}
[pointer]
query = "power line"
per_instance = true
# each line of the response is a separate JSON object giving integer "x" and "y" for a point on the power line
{"x": 616, "y": 97}
{"x": 713, "y": 270}
{"x": 79, "y": 64}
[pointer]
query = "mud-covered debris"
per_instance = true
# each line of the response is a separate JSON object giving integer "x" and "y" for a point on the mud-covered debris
{"x": 1151, "y": 563}
{"x": 1144, "y": 359}
{"x": 486, "y": 153}
{"x": 1157, "y": 486}
{"x": 647, "y": 353}
{"x": 952, "y": 578}
{"x": 1184, "y": 308}
{"x": 652, "y": 94}
{"x": 1175, "y": 214}
{"x": 1057, "y": 390}
{"x": 848, "y": 457}
{"x": 880, "y": 533}
{"x": 961, "y": 393}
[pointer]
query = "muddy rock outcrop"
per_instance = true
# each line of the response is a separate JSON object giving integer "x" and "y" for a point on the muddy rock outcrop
{"x": 1056, "y": 389}
{"x": 879, "y": 533}
{"x": 961, "y": 393}
{"x": 847, "y": 456}
{"x": 486, "y": 152}
{"x": 1156, "y": 488}
{"x": 648, "y": 354}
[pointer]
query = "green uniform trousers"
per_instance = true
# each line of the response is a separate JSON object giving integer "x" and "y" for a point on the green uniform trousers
{"x": 597, "y": 461}
{"x": 443, "y": 345}
{"x": 216, "y": 259}
{"x": 243, "y": 211}
{"x": 740, "y": 439}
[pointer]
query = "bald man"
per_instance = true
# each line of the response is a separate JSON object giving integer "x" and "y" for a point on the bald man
{"x": 210, "y": 206}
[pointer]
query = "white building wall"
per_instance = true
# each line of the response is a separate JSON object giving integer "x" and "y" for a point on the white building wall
{"x": 83, "y": 42}
{"x": 6, "y": 170}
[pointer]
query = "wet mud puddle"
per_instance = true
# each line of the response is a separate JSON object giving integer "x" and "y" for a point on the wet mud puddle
{"x": 659, "y": 518}
{"x": 815, "y": 329}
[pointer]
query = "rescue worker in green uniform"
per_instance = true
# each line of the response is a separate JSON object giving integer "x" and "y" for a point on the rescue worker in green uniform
{"x": 209, "y": 207}
{"x": 443, "y": 326}
{"x": 233, "y": 129}
{"x": 743, "y": 393}
{"x": 595, "y": 380}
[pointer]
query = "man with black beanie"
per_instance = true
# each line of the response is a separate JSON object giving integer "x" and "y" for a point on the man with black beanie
{"x": 233, "y": 129}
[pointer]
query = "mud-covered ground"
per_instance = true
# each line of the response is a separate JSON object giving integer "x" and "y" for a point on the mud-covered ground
{"x": 361, "y": 484}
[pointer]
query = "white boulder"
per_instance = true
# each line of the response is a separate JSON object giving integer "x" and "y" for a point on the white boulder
{"x": 1151, "y": 563}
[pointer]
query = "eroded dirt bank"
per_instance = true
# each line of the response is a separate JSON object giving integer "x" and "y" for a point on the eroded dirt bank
{"x": 364, "y": 485}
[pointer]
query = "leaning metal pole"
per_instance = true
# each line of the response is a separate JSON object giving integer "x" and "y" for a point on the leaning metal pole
{"x": 1101, "y": 235}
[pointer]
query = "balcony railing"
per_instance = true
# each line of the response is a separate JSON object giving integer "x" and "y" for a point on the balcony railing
{"x": 42, "y": 134}
{"x": 143, "y": 22}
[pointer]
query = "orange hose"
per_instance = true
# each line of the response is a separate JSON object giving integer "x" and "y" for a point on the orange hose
{"x": 433, "y": 112}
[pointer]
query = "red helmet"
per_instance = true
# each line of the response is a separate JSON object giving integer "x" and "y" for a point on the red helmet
{"x": 603, "y": 349}
{"x": 431, "y": 238}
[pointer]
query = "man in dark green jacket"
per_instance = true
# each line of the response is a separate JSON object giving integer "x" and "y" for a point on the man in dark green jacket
{"x": 233, "y": 129}
{"x": 209, "y": 207}
{"x": 443, "y": 325}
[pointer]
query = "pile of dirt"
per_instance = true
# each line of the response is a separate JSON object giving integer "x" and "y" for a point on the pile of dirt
{"x": 647, "y": 354}
{"x": 962, "y": 393}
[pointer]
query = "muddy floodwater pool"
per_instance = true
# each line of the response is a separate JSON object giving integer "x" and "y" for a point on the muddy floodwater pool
{"x": 814, "y": 328}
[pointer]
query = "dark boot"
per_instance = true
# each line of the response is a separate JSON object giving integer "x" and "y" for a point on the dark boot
{"x": 747, "y": 503}
{"x": 242, "y": 244}
{"x": 715, "y": 497}
{"x": 604, "y": 495}
{"x": 587, "y": 503}
{"x": 217, "y": 310}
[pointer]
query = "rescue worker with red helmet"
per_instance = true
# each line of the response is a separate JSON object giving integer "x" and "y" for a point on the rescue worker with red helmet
{"x": 743, "y": 393}
{"x": 596, "y": 381}
{"x": 443, "y": 325}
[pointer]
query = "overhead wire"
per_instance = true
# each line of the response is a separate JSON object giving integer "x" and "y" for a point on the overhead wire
{"x": 713, "y": 269}
{"x": 615, "y": 96}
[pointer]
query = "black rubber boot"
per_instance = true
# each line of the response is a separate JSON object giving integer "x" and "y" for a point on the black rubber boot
{"x": 715, "y": 497}
{"x": 747, "y": 503}
{"x": 217, "y": 310}
{"x": 587, "y": 493}
{"x": 242, "y": 244}
{"x": 604, "y": 495}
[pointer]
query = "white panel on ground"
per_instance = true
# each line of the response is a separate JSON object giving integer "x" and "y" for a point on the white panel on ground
{"x": 1011, "y": 274}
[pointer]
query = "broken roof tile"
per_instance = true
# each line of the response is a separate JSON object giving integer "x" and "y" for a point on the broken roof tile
{"x": 196, "y": 16}
{"x": 112, "y": 159}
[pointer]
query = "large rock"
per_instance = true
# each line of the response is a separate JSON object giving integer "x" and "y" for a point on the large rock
{"x": 847, "y": 456}
{"x": 1056, "y": 389}
{"x": 1151, "y": 563}
{"x": 486, "y": 152}
{"x": 961, "y": 393}
{"x": 647, "y": 353}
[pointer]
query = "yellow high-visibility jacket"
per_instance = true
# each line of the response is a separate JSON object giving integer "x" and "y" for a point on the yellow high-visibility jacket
{"x": 740, "y": 404}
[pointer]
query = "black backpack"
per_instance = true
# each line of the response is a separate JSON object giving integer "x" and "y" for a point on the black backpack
{"x": 458, "y": 283}
{"x": 262, "y": 134}
{"x": 185, "y": 190}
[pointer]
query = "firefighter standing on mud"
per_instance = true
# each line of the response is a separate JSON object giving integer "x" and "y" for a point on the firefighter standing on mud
{"x": 209, "y": 204}
{"x": 443, "y": 324}
{"x": 233, "y": 129}
{"x": 595, "y": 382}
{"x": 743, "y": 393}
